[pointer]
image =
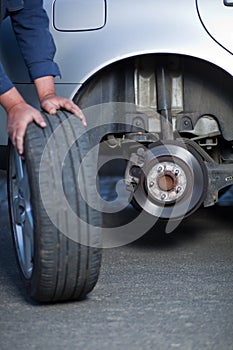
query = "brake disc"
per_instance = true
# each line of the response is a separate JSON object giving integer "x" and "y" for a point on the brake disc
{"x": 173, "y": 181}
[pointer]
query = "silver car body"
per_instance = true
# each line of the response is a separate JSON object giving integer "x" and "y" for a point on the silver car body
{"x": 91, "y": 35}
{"x": 86, "y": 44}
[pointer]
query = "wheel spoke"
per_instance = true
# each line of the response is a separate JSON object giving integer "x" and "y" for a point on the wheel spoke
{"x": 28, "y": 249}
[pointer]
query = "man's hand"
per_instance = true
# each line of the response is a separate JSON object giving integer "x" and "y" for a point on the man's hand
{"x": 19, "y": 116}
{"x": 51, "y": 103}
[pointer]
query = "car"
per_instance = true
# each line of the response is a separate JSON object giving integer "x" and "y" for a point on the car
{"x": 154, "y": 80}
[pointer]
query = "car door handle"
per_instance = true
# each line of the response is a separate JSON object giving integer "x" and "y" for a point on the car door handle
{"x": 228, "y": 2}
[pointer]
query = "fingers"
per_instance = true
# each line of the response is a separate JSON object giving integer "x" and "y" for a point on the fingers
{"x": 17, "y": 137}
{"x": 17, "y": 123}
{"x": 39, "y": 120}
{"x": 74, "y": 109}
{"x": 52, "y": 103}
{"x": 19, "y": 143}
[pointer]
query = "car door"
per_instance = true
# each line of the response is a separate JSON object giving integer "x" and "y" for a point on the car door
{"x": 217, "y": 18}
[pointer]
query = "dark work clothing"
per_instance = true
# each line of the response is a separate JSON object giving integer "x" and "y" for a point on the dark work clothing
{"x": 9, "y": 5}
{"x": 31, "y": 26}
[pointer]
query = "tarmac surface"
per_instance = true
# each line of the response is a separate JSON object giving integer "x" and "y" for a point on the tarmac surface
{"x": 161, "y": 292}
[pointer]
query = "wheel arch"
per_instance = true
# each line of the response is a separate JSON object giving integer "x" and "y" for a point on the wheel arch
{"x": 216, "y": 85}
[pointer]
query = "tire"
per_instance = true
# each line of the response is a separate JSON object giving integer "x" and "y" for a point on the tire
{"x": 54, "y": 265}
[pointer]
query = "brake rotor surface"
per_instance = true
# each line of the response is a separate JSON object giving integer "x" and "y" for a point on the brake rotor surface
{"x": 173, "y": 181}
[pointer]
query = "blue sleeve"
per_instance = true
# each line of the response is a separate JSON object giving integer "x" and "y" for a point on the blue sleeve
{"x": 31, "y": 27}
{"x": 5, "y": 82}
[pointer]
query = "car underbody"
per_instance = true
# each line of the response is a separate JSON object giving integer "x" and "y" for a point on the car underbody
{"x": 173, "y": 122}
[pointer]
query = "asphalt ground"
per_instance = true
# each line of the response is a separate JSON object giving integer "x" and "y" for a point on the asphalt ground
{"x": 161, "y": 292}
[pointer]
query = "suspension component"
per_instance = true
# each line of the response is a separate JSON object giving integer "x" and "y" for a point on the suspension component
{"x": 163, "y": 88}
{"x": 172, "y": 180}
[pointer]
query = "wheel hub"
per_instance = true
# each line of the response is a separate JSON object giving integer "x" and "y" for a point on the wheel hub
{"x": 173, "y": 181}
{"x": 166, "y": 182}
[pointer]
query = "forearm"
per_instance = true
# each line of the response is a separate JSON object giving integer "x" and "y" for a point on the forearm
{"x": 45, "y": 87}
{"x": 10, "y": 99}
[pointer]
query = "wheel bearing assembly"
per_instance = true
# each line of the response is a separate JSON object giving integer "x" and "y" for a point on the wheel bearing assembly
{"x": 172, "y": 180}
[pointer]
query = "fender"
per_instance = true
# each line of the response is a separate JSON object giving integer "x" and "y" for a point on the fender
{"x": 134, "y": 28}
{"x": 122, "y": 29}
